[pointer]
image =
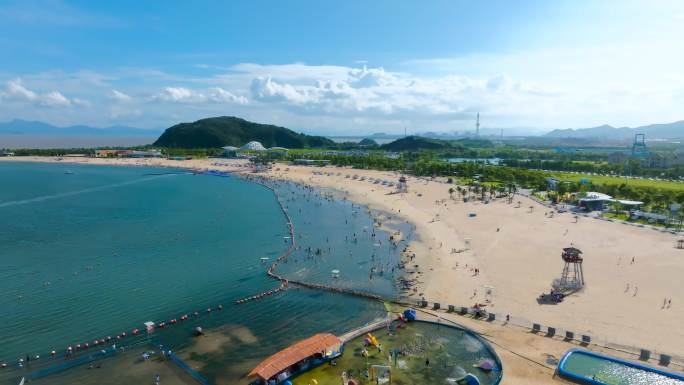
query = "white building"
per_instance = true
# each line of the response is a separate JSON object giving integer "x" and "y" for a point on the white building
{"x": 253, "y": 146}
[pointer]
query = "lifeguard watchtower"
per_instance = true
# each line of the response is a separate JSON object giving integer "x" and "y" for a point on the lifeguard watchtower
{"x": 572, "y": 278}
{"x": 402, "y": 186}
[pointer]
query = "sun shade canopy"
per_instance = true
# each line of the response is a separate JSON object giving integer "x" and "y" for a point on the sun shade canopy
{"x": 319, "y": 343}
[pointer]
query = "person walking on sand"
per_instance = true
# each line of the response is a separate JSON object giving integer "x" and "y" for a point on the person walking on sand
{"x": 157, "y": 379}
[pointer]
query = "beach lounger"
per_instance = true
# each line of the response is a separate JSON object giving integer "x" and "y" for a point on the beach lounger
{"x": 491, "y": 317}
{"x": 550, "y": 332}
{"x": 586, "y": 339}
{"x": 452, "y": 309}
{"x": 435, "y": 306}
{"x": 569, "y": 335}
{"x": 536, "y": 328}
{"x": 644, "y": 355}
{"x": 464, "y": 310}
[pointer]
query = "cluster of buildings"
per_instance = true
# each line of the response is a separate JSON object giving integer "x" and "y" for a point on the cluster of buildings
{"x": 598, "y": 201}
{"x": 128, "y": 154}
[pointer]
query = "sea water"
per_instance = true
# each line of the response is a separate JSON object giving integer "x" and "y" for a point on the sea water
{"x": 90, "y": 251}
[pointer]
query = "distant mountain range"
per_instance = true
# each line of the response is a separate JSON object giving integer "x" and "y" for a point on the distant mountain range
{"x": 653, "y": 131}
{"x": 232, "y": 131}
{"x": 25, "y": 127}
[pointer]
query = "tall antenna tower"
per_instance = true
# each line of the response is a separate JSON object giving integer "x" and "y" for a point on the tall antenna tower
{"x": 477, "y": 126}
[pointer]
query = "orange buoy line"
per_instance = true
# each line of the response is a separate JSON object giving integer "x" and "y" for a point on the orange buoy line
{"x": 71, "y": 350}
{"x": 290, "y": 249}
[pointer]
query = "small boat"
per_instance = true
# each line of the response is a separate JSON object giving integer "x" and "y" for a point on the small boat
{"x": 68, "y": 172}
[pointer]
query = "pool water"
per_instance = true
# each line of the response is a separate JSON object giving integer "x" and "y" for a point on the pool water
{"x": 597, "y": 369}
{"x": 452, "y": 352}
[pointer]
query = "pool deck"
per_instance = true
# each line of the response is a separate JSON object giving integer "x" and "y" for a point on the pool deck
{"x": 528, "y": 358}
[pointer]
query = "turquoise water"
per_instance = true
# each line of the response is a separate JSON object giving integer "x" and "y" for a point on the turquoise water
{"x": 614, "y": 373}
{"x": 100, "y": 250}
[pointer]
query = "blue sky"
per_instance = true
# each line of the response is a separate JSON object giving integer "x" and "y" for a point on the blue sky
{"x": 344, "y": 67}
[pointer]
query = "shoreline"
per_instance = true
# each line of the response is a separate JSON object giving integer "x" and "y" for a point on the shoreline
{"x": 452, "y": 281}
{"x": 520, "y": 264}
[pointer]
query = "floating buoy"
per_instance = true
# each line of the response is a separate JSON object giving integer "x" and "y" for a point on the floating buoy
{"x": 162, "y": 325}
{"x": 173, "y": 321}
{"x": 85, "y": 346}
{"x": 195, "y": 314}
{"x": 220, "y": 307}
{"x": 136, "y": 331}
{"x": 3, "y": 365}
{"x": 109, "y": 338}
{"x": 53, "y": 352}
{"x": 69, "y": 348}
{"x": 184, "y": 317}
{"x": 209, "y": 310}
{"x": 123, "y": 334}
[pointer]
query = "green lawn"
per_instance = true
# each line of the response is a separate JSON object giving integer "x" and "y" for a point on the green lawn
{"x": 617, "y": 180}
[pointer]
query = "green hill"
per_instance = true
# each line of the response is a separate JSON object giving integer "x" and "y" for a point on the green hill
{"x": 413, "y": 143}
{"x": 232, "y": 131}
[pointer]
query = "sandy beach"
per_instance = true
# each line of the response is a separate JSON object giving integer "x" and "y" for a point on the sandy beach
{"x": 517, "y": 251}
{"x": 630, "y": 272}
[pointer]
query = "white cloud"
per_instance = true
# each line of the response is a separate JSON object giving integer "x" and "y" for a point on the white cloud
{"x": 81, "y": 102}
{"x": 15, "y": 91}
{"x": 55, "y": 98}
{"x": 180, "y": 95}
{"x": 119, "y": 96}
{"x": 219, "y": 95}
{"x": 187, "y": 95}
{"x": 544, "y": 89}
{"x": 376, "y": 93}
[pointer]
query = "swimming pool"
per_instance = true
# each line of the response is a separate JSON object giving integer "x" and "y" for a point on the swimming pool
{"x": 597, "y": 369}
{"x": 418, "y": 352}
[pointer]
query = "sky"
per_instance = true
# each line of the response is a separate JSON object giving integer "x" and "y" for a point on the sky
{"x": 344, "y": 67}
